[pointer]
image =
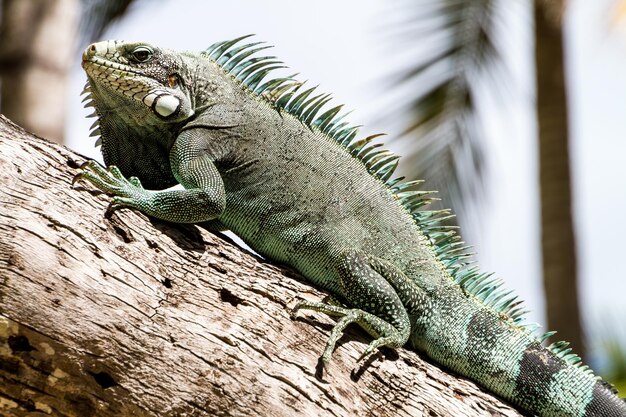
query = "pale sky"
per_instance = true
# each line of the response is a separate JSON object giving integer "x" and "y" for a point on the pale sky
{"x": 343, "y": 46}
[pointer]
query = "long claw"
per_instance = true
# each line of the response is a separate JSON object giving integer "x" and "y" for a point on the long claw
{"x": 77, "y": 178}
{"x": 374, "y": 345}
{"x": 84, "y": 164}
{"x": 81, "y": 175}
{"x": 112, "y": 207}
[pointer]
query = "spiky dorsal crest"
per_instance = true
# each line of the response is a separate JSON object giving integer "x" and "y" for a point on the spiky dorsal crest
{"x": 287, "y": 94}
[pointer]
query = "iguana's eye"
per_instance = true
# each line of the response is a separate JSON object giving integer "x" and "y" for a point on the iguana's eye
{"x": 142, "y": 54}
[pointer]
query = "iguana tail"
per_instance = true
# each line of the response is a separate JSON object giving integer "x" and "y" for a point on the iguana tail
{"x": 548, "y": 385}
{"x": 508, "y": 359}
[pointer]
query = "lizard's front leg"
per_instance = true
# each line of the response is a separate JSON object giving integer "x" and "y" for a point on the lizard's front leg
{"x": 202, "y": 199}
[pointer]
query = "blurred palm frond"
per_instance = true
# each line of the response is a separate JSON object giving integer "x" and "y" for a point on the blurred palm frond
{"x": 454, "y": 46}
{"x": 97, "y": 15}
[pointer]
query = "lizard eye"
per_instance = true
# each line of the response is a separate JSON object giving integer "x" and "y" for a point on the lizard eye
{"x": 142, "y": 54}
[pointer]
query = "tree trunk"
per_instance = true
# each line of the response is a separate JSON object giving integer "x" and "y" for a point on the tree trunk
{"x": 557, "y": 230}
{"x": 36, "y": 47}
{"x": 130, "y": 316}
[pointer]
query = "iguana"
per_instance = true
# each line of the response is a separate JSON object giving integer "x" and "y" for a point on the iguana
{"x": 271, "y": 161}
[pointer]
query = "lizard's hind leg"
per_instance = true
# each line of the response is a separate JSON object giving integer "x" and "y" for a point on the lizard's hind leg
{"x": 379, "y": 295}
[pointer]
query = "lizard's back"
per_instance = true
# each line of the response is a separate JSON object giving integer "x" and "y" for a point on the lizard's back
{"x": 300, "y": 199}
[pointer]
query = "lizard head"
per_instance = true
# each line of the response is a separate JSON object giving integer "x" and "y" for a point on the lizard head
{"x": 141, "y": 94}
{"x": 148, "y": 81}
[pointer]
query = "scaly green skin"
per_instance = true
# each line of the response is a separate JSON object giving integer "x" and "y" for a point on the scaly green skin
{"x": 301, "y": 189}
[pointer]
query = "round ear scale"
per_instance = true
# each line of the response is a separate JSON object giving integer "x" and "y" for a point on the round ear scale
{"x": 166, "y": 104}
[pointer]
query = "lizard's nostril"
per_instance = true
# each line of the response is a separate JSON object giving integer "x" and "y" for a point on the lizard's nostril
{"x": 89, "y": 52}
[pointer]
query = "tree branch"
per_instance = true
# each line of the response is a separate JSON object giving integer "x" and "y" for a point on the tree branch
{"x": 130, "y": 316}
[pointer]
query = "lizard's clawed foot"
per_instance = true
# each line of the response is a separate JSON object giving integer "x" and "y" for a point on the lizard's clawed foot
{"x": 111, "y": 181}
{"x": 385, "y": 333}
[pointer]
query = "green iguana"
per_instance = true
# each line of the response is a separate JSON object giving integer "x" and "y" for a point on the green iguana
{"x": 267, "y": 160}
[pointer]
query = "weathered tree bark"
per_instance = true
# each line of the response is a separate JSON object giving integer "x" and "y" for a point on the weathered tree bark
{"x": 128, "y": 316}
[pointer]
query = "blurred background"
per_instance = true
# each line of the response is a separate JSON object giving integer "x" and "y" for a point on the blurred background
{"x": 514, "y": 109}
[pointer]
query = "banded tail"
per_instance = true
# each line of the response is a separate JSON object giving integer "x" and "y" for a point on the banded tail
{"x": 508, "y": 359}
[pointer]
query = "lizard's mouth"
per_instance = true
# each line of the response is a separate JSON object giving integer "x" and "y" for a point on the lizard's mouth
{"x": 99, "y": 61}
